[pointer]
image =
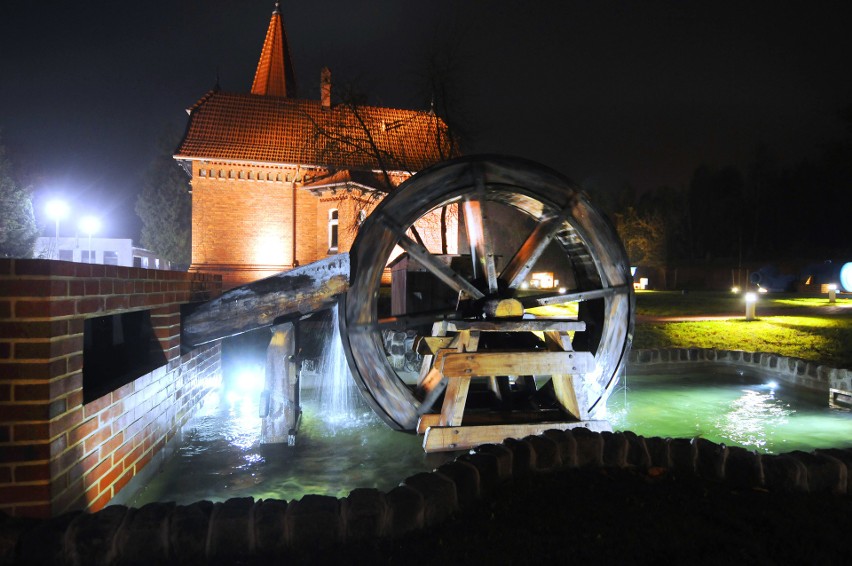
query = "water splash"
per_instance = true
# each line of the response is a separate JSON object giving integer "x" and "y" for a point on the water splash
{"x": 340, "y": 405}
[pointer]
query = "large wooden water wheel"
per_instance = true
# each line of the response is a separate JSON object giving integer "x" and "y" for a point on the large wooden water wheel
{"x": 492, "y": 326}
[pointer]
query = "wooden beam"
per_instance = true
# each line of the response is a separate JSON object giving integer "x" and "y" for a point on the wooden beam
{"x": 287, "y": 295}
{"x": 446, "y": 439}
{"x": 455, "y": 398}
{"x": 484, "y": 364}
{"x": 427, "y": 420}
{"x": 525, "y": 325}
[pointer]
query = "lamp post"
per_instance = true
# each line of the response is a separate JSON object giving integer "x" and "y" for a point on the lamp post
{"x": 832, "y": 293}
{"x": 56, "y": 210}
{"x": 750, "y": 302}
{"x": 89, "y": 225}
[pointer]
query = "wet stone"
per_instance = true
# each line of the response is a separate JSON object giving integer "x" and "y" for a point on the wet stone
{"x": 825, "y": 474}
{"x": 683, "y": 455}
{"x": 711, "y": 459}
{"x": 614, "y": 449}
{"x": 486, "y": 465}
{"x": 637, "y": 451}
{"x": 743, "y": 468}
{"x": 439, "y": 496}
{"x": 547, "y": 456}
{"x": 843, "y": 455}
{"x": 231, "y": 530}
{"x": 407, "y": 510}
{"x": 466, "y": 478}
{"x": 589, "y": 448}
{"x": 503, "y": 455}
{"x": 144, "y": 537}
{"x": 314, "y": 519}
{"x": 523, "y": 457}
{"x": 659, "y": 451}
{"x": 365, "y": 514}
{"x": 45, "y": 543}
{"x": 89, "y": 539}
{"x": 566, "y": 445}
{"x": 270, "y": 527}
{"x": 188, "y": 531}
{"x": 784, "y": 473}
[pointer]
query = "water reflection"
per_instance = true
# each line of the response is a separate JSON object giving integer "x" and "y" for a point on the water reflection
{"x": 732, "y": 409}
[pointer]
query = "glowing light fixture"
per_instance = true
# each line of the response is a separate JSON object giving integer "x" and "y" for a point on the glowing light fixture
{"x": 632, "y": 270}
{"x": 735, "y": 290}
{"x": 832, "y": 293}
{"x": 750, "y": 305}
{"x": 525, "y": 285}
{"x": 846, "y": 277}
{"x": 762, "y": 290}
{"x": 562, "y": 290}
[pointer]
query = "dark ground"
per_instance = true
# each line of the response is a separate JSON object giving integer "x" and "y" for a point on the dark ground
{"x": 612, "y": 516}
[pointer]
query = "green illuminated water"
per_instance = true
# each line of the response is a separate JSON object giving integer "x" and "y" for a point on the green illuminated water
{"x": 754, "y": 413}
{"x": 221, "y": 456}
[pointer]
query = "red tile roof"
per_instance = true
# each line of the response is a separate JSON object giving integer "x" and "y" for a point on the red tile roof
{"x": 271, "y": 129}
{"x": 274, "y": 75}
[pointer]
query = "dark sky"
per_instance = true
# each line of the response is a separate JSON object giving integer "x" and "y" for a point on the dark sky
{"x": 606, "y": 92}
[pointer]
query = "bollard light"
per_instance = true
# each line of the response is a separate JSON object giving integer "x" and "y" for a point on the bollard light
{"x": 832, "y": 293}
{"x": 750, "y": 305}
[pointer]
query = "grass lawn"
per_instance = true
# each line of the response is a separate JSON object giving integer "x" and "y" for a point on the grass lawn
{"x": 674, "y": 303}
{"x": 795, "y": 328}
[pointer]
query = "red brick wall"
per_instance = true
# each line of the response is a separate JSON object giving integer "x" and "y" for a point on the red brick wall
{"x": 57, "y": 453}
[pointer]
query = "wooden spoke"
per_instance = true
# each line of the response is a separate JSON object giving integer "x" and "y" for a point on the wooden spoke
{"x": 525, "y": 258}
{"x": 559, "y": 298}
{"x": 482, "y": 256}
{"x": 433, "y": 265}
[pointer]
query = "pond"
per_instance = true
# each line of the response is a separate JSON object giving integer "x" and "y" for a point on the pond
{"x": 760, "y": 414}
{"x": 335, "y": 453}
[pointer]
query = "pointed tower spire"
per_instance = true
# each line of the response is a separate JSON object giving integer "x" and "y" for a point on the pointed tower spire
{"x": 274, "y": 75}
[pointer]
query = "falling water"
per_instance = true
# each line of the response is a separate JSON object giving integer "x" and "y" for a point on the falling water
{"x": 339, "y": 401}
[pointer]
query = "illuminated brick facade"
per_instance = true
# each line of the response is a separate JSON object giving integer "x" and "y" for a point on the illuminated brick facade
{"x": 267, "y": 168}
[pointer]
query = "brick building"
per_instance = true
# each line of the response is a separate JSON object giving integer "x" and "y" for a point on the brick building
{"x": 279, "y": 181}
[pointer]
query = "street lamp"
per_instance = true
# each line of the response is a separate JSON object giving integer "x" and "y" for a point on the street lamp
{"x": 89, "y": 225}
{"x": 56, "y": 210}
{"x": 832, "y": 293}
{"x": 750, "y": 302}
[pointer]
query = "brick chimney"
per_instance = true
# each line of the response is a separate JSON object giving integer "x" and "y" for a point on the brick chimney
{"x": 325, "y": 87}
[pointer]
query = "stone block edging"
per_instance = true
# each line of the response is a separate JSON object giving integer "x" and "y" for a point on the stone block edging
{"x": 243, "y": 528}
{"x": 794, "y": 371}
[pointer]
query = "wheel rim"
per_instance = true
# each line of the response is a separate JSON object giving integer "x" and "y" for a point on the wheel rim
{"x": 557, "y": 216}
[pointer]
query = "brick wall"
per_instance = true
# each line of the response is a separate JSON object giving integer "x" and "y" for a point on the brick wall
{"x": 58, "y": 453}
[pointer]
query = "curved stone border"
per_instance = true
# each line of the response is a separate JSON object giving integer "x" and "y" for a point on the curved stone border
{"x": 794, "y": 371}
{"x": 244, "y": 528}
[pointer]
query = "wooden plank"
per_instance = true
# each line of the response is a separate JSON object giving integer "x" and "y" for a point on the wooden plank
{"x": 455, "y": 398}
{"x": 563, "y": 388}
{"x": 427, "y": 420}
{"x": 525, "y": 325}
{"x": 484, "y": 364}
{"x": 445, "y": 439}
{"x": 558, "y": 341}
{"x": 287, "y": 295}
{"x": 431, "y": 344}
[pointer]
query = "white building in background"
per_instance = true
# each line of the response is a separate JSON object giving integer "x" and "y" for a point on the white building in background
{"x": 106, "y": 251}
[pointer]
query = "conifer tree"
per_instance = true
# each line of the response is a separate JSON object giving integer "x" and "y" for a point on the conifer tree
{"x": 165, "y": 207}
{"x": 18, "y": 230}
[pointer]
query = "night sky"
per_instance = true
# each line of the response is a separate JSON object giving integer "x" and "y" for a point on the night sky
{"x": 606, "y": 92}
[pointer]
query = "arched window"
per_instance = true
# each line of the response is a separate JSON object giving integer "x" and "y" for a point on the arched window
{"x": 332, "y": 230}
